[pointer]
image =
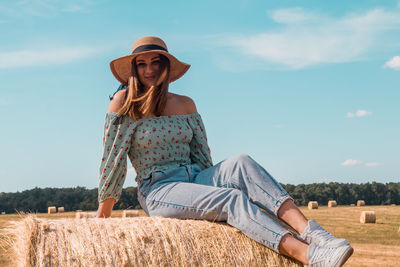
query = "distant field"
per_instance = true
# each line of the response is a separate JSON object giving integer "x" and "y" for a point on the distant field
{"x": 375, "y": 244}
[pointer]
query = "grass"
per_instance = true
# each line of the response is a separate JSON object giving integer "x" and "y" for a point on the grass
{"x": 375, "y": 244}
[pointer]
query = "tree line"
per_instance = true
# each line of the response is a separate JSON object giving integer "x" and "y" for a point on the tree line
{"x": 80, "y": 198}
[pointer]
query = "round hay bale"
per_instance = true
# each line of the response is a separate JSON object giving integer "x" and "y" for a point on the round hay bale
{"x": 51, "y": 209}
{"x": 332, "y": 203}
{"x": 78, "y": 210}
{"x": 3, "y": 213}
{"x": 85, "y": 215}
{"x": 130, "y": 213}
{"x": 140, "y": 241}
{"x": 352, "y": 205}
{"x": 60, "y": 209}
{"x": 312, "y": 205}
{"x": 367, "y": 217}
{"x": 360, "y": 203}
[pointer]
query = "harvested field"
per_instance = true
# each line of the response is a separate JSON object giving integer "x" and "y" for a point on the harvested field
{"x": 374, "y": 244}
{"x": 141, "y": 241}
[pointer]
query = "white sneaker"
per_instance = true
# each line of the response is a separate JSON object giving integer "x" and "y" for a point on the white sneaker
{"x": 328, "y": 256}
{"x": 314, "y": 233}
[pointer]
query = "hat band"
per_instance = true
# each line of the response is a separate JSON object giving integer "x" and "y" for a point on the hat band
{"x": 148, "y": 47}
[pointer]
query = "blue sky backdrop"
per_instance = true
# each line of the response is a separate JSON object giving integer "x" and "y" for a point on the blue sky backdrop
{"x": 309, "y": 89}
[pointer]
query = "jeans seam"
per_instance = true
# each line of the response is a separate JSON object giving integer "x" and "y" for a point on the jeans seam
{"x": 176, "y": 205}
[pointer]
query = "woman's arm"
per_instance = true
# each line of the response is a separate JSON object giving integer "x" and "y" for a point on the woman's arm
{"x": 105, "y": 208}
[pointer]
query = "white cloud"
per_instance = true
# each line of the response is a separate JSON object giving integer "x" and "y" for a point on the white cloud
{"x": 372, "y": 164}
{"x": 291, "y": 15}
{"x": 393, "y": 63}
{"x": 351, "y": 162}
{"x": 307, "y": 38}
{"x": 45, "y": 57}
{"x": 362, "y": 113}
{"x": 359, "y": 113}
{"x": 43, "y": 8}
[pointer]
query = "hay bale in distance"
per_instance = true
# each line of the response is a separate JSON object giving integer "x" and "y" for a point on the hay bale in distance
{"x": 60, "y": 209}
{"x": 3, "y": 213}
{"x": 85, "y": 215}
{"x": 367, "y": 217}
{"x": 51, "y": 209}
{"x": 130, "y": 213}
{"x": 312, "y": 205}
{"x": 78, "y": 210}
{"x": 332, "y": 203}
{"x": 352, "y": 205}
{"x": 140, "y": 241}
{"x": 360, "y": 203}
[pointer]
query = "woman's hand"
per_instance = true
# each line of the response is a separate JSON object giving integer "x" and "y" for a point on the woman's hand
{"x": 105, "y": 208}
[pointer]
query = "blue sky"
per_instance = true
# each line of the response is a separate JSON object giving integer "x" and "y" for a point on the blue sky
{"x": 309, "y": 89}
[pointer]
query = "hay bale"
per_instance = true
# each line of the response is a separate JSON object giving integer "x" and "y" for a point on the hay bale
{"x": 140, "y": 241}
{"x": 78, "y": 210}
{"x": 367, "y": 217}
{"x": 3, "y": 213}
{"x": 85, "y": 215}
{"x": 51, "y": 209}
{"x": 130, "y": 213}
{"x": 60, "y": 209}
{"x": 332, "y": 203}
{"x": 352, "y": 205}
{"x": 360, "y": 203}
{"x": 312, "y": 205}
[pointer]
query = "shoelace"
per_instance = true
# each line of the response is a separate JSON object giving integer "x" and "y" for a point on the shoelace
{"x": 322, "y": 234}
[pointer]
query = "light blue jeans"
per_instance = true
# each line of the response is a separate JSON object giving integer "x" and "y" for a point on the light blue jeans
{"x": 233, "y": 190}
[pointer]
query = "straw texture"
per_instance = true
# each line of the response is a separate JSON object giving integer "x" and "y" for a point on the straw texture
{"x": 312, "y": 205}
{"x": 360, "y": 203}
{"x": 130, "y": 213}
{"x": 140, "y": 241}
{"x": 332, "y": 203}
{"x": 367, "y": 217}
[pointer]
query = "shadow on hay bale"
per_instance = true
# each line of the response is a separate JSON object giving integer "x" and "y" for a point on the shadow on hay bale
{"x": 141, "y": 241}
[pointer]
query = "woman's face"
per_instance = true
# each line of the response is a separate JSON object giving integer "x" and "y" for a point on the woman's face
{"x": 148, "y": 68}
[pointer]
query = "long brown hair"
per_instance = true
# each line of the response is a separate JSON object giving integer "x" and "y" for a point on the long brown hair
{"x": 140, "y": 103}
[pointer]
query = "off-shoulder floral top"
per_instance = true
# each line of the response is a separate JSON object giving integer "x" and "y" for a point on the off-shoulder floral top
{"x": 152, "y": 144}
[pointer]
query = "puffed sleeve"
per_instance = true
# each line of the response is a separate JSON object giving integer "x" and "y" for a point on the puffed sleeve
{"x": 116, "y": 144}
{"x": 199, "y": 150}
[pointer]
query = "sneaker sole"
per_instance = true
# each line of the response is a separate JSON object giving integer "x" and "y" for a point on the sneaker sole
{"x": 346, "y": 255}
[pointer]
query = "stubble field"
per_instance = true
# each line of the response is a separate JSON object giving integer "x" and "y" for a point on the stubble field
{"x": 374, "y": 244}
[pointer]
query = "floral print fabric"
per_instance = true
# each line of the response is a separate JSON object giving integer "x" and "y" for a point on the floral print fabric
{"x": 152, "y": 144}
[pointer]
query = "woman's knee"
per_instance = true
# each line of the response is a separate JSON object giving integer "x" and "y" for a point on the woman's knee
{"x": 242, "y": 158}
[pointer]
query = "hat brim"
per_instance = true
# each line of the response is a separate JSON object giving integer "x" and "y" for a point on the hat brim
{"x": 121, "y": 67}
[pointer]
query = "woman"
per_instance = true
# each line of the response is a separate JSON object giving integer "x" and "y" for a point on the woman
{"x": 165, "y": 139}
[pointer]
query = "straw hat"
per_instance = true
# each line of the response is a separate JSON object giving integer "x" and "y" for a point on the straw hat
{"x": 122, "y": 67}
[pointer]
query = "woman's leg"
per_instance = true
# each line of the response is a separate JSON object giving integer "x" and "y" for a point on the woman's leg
{"x": 173, "y": 194}
{"x": 245, "y": 174}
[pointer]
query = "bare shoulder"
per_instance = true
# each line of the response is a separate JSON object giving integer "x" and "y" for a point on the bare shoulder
{"x": 117, "y": 101}
{"x": 186, "y": 102}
